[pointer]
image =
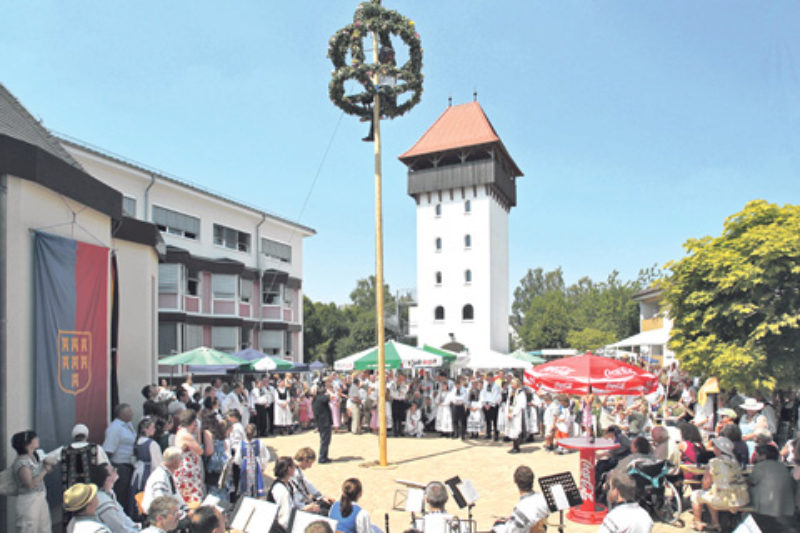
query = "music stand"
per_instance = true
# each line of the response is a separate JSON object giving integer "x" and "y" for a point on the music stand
{"x": 464, "y": 494}
{"x": 555, "y": 497}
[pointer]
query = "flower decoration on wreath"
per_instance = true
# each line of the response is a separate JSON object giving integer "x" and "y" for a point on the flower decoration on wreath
{"x": 372, "y": 17}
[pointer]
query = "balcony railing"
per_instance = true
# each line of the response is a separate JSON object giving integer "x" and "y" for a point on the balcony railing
{"x": 648, "y": 324}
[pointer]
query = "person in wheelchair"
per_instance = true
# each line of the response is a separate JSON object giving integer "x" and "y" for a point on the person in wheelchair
{"x": 656, "y": 490}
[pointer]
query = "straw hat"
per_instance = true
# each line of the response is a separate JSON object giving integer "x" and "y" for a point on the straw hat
{"x": 750, "y": 404}
{"x": 79, "y": 496}
{"x": 727, "y": 411}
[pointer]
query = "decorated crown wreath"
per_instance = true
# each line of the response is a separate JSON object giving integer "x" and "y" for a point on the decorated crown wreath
{"x": 372, "y": 17}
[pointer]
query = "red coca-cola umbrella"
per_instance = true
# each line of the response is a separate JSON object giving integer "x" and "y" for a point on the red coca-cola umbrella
{"x": 589, "y": 373}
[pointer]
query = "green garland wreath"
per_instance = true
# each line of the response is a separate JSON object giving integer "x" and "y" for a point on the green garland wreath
{"x": 369, "y": 17}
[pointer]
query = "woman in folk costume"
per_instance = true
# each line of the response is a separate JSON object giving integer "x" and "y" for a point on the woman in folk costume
{"x": 532, "y": 413}
{"x": 414, "y": 426}
{"x": 475, "y": 417}
{"x": 444, "y": 418}
{"x": 515, "y": 419}
{"x": 336, "y": 409}
{"x": 502, "y": 413}
{"x": 305, "y": 414}
{"x": 283, "y": 410}
{"x": 147, "y": 452}
{"x": 254, "y": 457}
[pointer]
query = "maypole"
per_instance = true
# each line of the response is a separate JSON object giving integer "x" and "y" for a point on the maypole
{"x": 383, "y": 83}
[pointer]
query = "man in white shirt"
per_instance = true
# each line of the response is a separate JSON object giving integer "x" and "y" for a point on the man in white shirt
{"x": 258, "y": 403}
{"x": 398, "y": 390}
{"x": 237, "y": 400}
{"x": 161, "y": 483}
{"x": 625, "y": 516}
{"x": 435, "y": 520}
{"x": 490, "y": 399}
{"x": 531, "y": 510}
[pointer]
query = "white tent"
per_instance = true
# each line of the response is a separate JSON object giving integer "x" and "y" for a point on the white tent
{"x": 491, "y": 360}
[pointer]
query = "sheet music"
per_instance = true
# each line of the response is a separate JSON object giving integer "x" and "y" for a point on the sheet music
{"x": 414, "y": 500}
{"x": 560, "y": 497}
{"x": 254, "y": 516}
{"x": 748, "y": 526}
{"x": 468, "y": 491}
{"x": 302, "y": 519}
{"x": 212, "y": 501}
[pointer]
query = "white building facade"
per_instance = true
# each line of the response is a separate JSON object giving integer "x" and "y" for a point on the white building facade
{"x": 231, "y": 277}
{"x": 462, "y": 180}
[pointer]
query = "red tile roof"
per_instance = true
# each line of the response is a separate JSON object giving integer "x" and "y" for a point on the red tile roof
{"x": 458, "y": 127}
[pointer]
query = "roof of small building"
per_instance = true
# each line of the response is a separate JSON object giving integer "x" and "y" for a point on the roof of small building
{"x": 460, "y": 126}
{"x": 17, "y": 122}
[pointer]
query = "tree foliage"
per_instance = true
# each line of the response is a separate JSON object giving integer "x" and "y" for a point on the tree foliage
{"x": 735, "y": 300}
{"x": 585, "y": 315}
{"x": 332, "y": 332}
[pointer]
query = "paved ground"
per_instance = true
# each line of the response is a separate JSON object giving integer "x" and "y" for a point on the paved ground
{"x": 486, "y": 463}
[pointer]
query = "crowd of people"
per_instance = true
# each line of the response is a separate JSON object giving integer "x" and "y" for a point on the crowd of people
{"x": 198, "y": 441}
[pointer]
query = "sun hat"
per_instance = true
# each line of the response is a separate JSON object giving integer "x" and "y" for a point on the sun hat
{"x": 80, "y": 429}
{"x": 726, "y": 411}
{"x": 79, "y": 496}
{"x": 724, "y": 445}
{"x": 750, "y": 404}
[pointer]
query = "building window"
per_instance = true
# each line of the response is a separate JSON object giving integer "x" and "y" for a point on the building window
{"x": 168, "y": 338}
{"x": 193, "y": 284}
{"x": 223, "y": 286}
{"x": 224, "y": 338}
{"x": 438, "y": 313}
{"x": 270, "y": 342}
{"x": 169, "y": 278}
{"x": 468, "y": 276}
{"x": 129, "y": 206}
{"x": 276, "y": 250}
{"x": 467, "y": 241}
{"x": 438, "y": 278}
{"x": 271, "y": 293}
{"x": 231, "y": 238}
{"x": 245, "y": 290}
{"x": 467, "y": 206}
{"x": 244, "y": 342}
{"x": 288, "y": 343}
{"x": 438, "y": 210}
{"x": 467, "y": 313}
{"x": 194, "y": 336}
{"x": 438, "y": 244}
{"x": 176, "y": 223}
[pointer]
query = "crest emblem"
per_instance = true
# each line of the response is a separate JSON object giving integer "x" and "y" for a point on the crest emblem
{"x": 74, "y": 361}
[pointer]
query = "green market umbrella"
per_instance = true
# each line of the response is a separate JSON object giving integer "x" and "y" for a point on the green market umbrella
{"x": 446, "y": 355}
{"x": 522, "y": 355}
{"x": 202, "y": 356}
{"x": 398, "y": 355}
{"x": 271, "y": 363}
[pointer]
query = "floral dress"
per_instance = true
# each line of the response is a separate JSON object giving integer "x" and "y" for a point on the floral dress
{"x": 191, "y": 477}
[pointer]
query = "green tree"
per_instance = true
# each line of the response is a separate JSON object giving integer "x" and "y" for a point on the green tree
{"x": 735, "y": 300}
{"x": 546, "y": 323}
{"x": 535, "y": 283}
{"x": 589, "y": 339}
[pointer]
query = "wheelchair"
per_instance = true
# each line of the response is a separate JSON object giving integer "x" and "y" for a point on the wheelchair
{"x": 657, "y": 491}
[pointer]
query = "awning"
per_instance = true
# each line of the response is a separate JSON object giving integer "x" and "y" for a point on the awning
{"x": 645, "y": 338}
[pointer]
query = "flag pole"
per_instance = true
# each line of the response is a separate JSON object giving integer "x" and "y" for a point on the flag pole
{"x": 376, "y": 123}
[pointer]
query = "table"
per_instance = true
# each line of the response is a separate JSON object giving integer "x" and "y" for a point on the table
{"x": 589, "y": 512}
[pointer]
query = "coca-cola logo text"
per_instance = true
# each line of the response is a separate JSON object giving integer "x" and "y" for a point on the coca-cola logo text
{"x": 558, "y": 370}
{"x": 587, "y": 484}
{"x": 620, "y": 372}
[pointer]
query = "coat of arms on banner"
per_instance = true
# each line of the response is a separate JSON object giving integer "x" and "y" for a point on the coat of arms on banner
{"x": 74, "y": 361}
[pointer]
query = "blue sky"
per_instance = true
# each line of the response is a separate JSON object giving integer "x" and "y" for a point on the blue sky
{"x": 638, "y": 124}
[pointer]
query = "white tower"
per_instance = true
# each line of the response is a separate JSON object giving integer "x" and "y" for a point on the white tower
{"x": 462, "y": 179}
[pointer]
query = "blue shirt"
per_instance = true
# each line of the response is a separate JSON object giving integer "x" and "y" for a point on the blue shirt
{"x": 346, "y": 524}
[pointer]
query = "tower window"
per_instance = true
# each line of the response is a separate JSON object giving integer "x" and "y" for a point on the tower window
{"x": 438, "y": 278}
{"x": 467, "y": 241}
{"x": 468, "y": 276}
{"x": 438, "y": 313}
{"x": 467, "y": 313}
{"x": 438, "y": 210}
{"x": 438, "y": 244}
{"x": 467, "y": 206}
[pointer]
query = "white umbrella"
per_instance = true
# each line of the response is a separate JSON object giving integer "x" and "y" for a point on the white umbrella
{"x": 492, "y": 360}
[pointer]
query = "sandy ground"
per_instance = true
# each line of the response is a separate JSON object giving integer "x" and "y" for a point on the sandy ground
{"x": 486, "y": 463}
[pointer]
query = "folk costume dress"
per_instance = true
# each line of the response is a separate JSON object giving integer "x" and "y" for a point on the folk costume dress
{"x": 475, "y": 418}
{"x": 444, "y": 416}
{"x": 283, "y": 410}
{"x": 251, "y": 477}
{"x": 515, "y": 414}
{"x": 148, "y": 457}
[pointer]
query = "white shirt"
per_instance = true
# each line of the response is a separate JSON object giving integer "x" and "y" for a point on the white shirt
{"x": 529, "y": 510}
{"x": 627, "y": 518}
{"x": 161, "y": 483}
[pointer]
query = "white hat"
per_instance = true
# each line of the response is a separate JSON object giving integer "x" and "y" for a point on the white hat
{"x": 750, "y": 404}
{"x": 80, "y": 429}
